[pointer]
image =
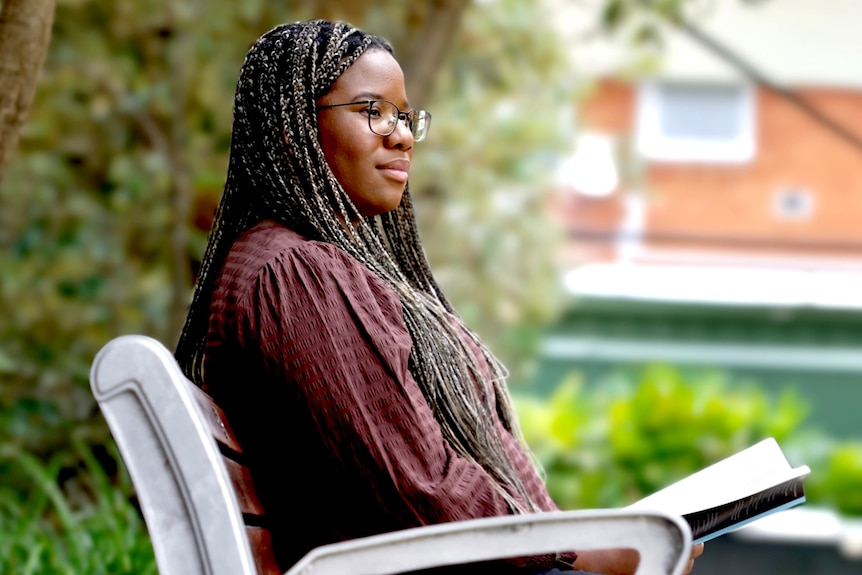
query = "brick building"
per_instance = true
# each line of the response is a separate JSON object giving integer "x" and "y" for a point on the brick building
{"x": 714, "y": 202}
{"x": 708, "y": 158}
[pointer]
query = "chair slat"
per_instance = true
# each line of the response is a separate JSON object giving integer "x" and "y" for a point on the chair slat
{"x": 217, "y": 420}
{"x": 260, "y": 540}
{"x": 246, "y": 496}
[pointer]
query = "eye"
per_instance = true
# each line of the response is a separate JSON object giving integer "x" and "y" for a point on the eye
{"x": 372, "y": 110}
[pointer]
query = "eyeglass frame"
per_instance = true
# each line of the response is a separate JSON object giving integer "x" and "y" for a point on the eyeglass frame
{"x": 401, "y": 116}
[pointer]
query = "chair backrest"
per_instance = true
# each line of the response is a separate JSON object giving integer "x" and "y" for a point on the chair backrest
{"x": 196, "y": 495}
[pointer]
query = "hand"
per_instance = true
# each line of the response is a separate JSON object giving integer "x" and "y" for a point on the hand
{"x": 608, "y": 561}
{"x": 621, "y": 561}
{"x": 696, "y": 552}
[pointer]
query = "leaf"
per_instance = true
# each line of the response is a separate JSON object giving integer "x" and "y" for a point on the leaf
{"x": 615, "y": 11}
{"x": 7, "y": 364}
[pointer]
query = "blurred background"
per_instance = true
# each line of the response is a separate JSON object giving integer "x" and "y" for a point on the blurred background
{"x": 649, "y": 210}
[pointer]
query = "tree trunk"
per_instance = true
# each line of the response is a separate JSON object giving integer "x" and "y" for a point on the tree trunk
{"x": 25, "y": 33}
{"x": 431, "y": 28}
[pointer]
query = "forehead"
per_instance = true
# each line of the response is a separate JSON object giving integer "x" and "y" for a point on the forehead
{"x": 375, "y": 74}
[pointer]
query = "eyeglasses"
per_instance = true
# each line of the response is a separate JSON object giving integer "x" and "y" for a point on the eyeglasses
{"x": 383, "y": 118}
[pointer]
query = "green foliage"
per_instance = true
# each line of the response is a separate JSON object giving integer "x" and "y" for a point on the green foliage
{"x": 836, "y": 473}
{"x": 66, "y": 515}
{"x": 843, "y": 478}
{"x": 624, "y": 438}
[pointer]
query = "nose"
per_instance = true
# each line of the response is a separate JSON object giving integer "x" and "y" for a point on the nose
{"x": 401, "y": 136}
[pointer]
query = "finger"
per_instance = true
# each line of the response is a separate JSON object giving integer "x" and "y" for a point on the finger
{"x": 697, "y": 551}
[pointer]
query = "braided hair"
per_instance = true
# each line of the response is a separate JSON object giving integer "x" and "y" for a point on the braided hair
{"x": 277, "y": 170}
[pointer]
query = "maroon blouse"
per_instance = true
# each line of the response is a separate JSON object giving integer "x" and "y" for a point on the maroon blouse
{"x": 307, "y": 352}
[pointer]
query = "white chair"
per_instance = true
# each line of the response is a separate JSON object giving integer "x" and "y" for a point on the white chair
{"x": 197, "y": 498}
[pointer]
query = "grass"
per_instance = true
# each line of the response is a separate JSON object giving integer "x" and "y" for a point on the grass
{"x": 66, "y": 514}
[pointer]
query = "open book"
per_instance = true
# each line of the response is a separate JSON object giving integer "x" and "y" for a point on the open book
{"x": 733, "y": 492}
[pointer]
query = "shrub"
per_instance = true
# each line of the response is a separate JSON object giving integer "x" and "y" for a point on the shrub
{"x": 624, "y": 438}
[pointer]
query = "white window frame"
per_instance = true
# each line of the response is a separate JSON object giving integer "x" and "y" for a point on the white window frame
{"x": 654, "y": 145}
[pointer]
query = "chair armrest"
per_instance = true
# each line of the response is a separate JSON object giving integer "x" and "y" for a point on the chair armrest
{"x": 663, "y": 541}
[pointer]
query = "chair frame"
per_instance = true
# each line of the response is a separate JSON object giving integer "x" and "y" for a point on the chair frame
{"x": 193, "y": 516}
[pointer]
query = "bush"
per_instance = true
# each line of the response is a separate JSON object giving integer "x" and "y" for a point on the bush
{"x": 836, "y": 472}
{"x": 629, "y": 436}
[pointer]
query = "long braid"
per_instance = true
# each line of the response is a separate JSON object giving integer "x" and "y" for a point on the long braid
{"x": 277, "y": 170}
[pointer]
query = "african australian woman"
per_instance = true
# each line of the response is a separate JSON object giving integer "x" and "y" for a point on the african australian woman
{"x": 316, "y": 323}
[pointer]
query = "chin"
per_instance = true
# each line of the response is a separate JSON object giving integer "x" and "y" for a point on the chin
{"x": 379, "y": 210}
{"x": 386, "y": 199}
{"x": 383, "y": 208}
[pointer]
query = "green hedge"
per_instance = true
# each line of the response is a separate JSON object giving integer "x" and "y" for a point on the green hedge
{"x": 612, "y": 442}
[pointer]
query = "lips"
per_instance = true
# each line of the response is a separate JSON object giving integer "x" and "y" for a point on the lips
{"x": 397, "y": 170}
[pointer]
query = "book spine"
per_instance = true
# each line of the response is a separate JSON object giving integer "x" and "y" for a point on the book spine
{"x": 719, "y": 518}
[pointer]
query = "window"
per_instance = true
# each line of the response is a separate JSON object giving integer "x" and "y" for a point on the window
{"x": 688, "y": 122}
{"x": 793, "y": 203}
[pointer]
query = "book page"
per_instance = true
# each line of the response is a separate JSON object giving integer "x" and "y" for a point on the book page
{"x": 755, "y": 469}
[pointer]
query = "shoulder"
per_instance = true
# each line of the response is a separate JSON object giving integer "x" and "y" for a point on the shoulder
{"x": 270, "y": 250}
{"x": 273, "y": 265}
{"x": 269, "y": 242}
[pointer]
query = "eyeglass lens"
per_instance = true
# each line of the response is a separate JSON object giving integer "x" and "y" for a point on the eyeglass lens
{"x": 385, "y": 115}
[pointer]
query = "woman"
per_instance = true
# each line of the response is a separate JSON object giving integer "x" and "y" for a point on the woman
{"x": 320, "y": 329}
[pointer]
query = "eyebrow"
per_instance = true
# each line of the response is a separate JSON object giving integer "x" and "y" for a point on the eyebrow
{"x": 375, "y": 96}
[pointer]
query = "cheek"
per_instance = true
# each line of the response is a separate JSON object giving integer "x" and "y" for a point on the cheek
{"x": 345, "y": 164}
{"x": 329, "y": 144}
{"x": 348, "y": 155}
{"x": 334, "y": 140}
